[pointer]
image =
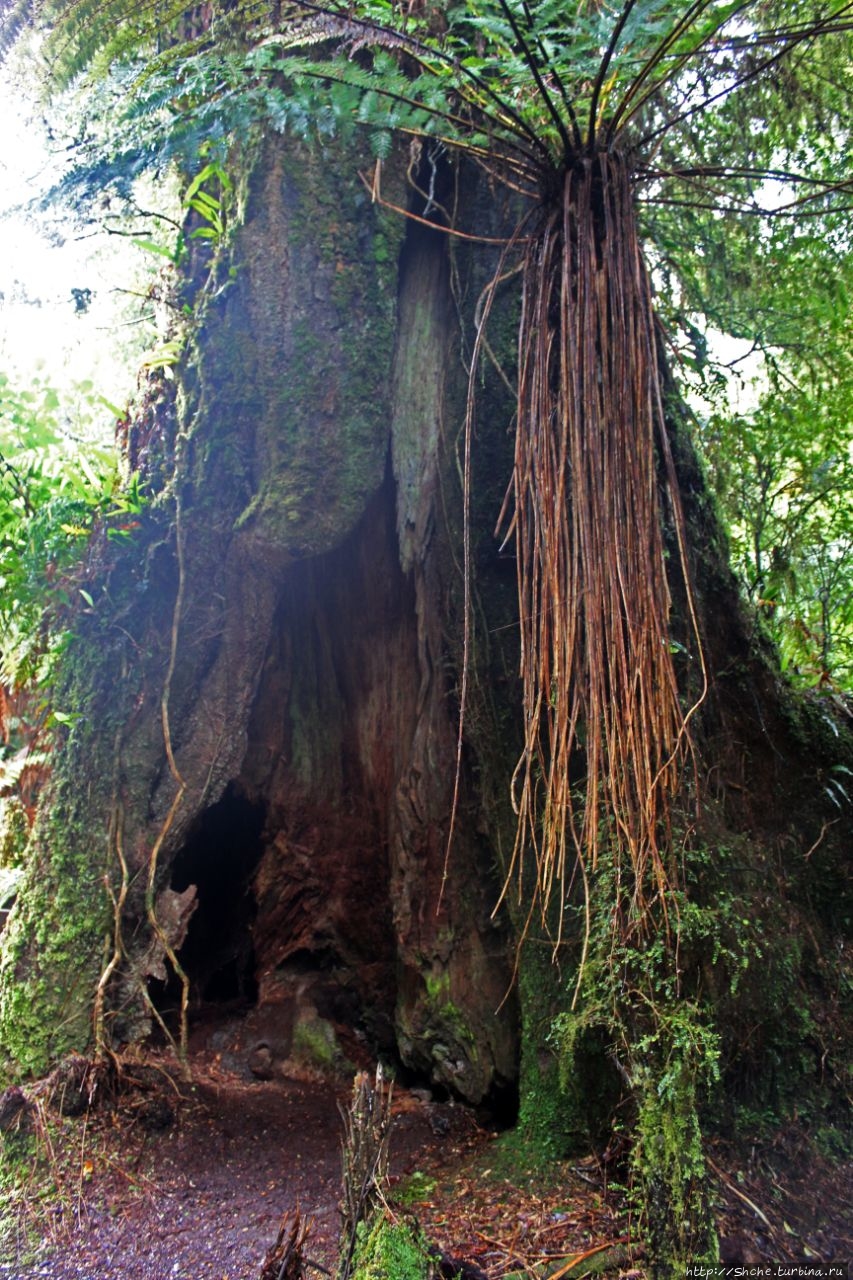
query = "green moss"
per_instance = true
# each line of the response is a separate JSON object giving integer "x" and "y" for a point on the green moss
{"x": 669, "y": 1169}
{"x": 417, "y": 1187}
{"x": 301, "y": 357}
{"x": 437, "y": 983}
{"x": 50, "y": 965}
{"x": 390, "y": 1249}
{"x": 315, "y": 1045}
{"x": 52, "y": 946}
{"x": 551, "y": 1119}
{"x": 443, "y": 1025}
{"x": 439, "y": 1011}
{"x": 14, "y": 832}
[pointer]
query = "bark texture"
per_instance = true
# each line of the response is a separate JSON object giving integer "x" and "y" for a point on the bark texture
{"x": 260, "y": 782}
{"x": 262, "y": 772}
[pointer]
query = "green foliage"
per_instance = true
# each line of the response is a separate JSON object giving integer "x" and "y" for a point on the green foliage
{"x": 205, "y": 196}
{"x": 704, "y": 926}
{"x": 720, "y": 120}
{"x": 712, "y": 117}
{"x": 780, "y": 459}
{"x": 783, "y": 466}
{"x": 644, "y": 1002}
{"x": 668, "y": 1163}
{"x": 668, "y": 1054}
{"x": 785, "y": 485}
{"x": 775, "y": 273}
{"x": 498, "y": 78}
{"x": 53, "y": 490}
{"x": 207, "y": 202}
{"x": 418, "y": 1186}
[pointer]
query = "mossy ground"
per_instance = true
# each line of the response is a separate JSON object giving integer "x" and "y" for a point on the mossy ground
{"x": 391, "y": 1248}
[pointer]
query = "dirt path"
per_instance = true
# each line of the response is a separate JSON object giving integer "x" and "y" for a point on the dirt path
{"x": 198, "y": 1201}
{"x": 191, "y": 1181}
{"x": 178, "y": 1181}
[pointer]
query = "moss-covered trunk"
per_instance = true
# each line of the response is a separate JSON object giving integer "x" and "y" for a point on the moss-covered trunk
{"x": 265, "y": 680}
{"x": 256, "y": 794}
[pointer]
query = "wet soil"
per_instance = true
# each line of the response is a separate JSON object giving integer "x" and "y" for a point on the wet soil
{"x": 190, "y": 1178}
{"x": 177, "y": 1179}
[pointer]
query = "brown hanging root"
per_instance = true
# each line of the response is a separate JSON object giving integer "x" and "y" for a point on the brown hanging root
{"x": 587, "y": 516}
{"x": 116, "y": 839}
{"x": 118, "y": 900}
{"x": 594, "y": 601}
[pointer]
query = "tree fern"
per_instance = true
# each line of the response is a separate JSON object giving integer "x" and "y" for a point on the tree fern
{"x": 611, "y": 125}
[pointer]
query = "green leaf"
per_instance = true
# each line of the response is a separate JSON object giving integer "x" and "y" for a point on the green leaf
{"x": 150, "y": 246}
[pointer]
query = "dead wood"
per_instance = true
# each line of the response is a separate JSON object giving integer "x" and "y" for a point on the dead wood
{"x": 285, "y": 1260}
{"x": 365, "y": 1160}
{"x": 16, "y": 1111}
{"x": 450, "y": 1268}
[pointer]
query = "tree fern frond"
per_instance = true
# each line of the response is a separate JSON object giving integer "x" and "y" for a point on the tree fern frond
{"x": 533, "y": 66}
{"x": 548, "y": 60}
{"x": 667, "y": 50}
{"x": 604, "y": 65}
{"x": 15, "y": 17}
{"x": 782, "y": 43}
{"x": 464, "y": 74}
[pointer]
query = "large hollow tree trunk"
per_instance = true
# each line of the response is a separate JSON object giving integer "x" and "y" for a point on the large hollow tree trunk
{"x": 256, "y": 795}
{"x": 265, "y": 680}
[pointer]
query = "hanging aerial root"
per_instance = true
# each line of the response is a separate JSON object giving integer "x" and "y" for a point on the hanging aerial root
{"x": 601, "y": 697}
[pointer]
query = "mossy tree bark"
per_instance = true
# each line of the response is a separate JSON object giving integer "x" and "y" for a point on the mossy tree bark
{"x": 277, "y": 637}
{"x": 268, "y": 685}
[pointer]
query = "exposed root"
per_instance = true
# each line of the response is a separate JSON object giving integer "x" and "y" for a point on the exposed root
{"x": 153, "y": 858}
{"x": 118, "y": 952}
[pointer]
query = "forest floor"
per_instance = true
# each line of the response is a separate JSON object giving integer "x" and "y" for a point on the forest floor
{"x": 188, "y": 1180}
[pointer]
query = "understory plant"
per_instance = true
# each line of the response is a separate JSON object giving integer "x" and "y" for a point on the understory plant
{"x": 54, "y": 488}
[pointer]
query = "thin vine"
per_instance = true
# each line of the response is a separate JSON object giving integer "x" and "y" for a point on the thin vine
{"x": 154, "y": 855}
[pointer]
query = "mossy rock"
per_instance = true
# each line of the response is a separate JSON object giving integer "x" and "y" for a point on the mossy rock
{"x": 315, "y": 1045}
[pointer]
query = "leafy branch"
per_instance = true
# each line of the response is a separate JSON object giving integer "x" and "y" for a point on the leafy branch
{"x": 53, "y": 492}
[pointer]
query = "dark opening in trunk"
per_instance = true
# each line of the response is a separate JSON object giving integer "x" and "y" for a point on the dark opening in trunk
{"x": 220, "y": 858}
